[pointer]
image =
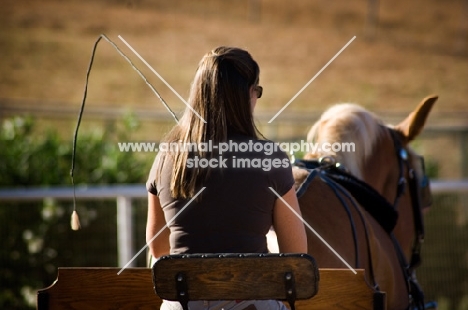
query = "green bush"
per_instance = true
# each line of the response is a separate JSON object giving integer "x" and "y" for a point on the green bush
{"x": 36, "y": 236}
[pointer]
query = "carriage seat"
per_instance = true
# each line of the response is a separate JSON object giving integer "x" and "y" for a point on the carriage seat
{"x": 286, "y": 277}
{"x": 83, "y": 288}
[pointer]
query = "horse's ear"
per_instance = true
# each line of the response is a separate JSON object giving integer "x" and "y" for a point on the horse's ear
{"x": 412, "y": 126}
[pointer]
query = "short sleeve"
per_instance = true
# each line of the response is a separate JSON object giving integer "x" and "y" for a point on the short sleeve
{"x": 151, "y": 183}
{"x": 282, "y": 177}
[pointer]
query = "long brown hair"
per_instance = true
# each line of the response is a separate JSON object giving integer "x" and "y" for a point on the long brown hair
{"x": 220, "y": 94}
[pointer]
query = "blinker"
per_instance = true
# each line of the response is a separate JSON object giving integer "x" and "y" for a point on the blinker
{"x": 403, "y": 154}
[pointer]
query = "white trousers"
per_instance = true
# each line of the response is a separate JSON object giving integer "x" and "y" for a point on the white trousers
{"x": 225, "y": 305}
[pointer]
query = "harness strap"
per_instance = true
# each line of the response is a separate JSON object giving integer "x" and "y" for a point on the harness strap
{"x": 366, "y": 233}
{"x": 335, "y": 188}
{"x": 371, "y": 200}
{"x": 416, "y": 295}
{"x": 418, "y": 222}
{"x": 313, "y": 173}
{"x": 341, "y": 192}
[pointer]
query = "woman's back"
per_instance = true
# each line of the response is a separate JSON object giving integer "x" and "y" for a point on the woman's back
{"x": 234, "y": 212}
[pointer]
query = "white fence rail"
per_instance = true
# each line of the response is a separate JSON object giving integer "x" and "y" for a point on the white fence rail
{"x": 123, "y": 194}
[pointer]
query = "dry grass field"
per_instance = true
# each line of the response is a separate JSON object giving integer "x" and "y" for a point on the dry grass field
{"x": 418, "y": 48}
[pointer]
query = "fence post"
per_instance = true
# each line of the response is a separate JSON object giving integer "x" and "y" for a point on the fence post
{"x": 124, "y": 231}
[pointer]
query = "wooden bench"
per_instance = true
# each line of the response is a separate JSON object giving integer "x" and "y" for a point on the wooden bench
{"x": 287, "y": 277}
{"x": 133, "y": 288}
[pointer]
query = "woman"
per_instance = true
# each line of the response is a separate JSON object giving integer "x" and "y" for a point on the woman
{"x": 228, "y": 191}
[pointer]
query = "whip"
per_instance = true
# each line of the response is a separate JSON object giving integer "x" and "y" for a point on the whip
{"x": 75, "y": 221}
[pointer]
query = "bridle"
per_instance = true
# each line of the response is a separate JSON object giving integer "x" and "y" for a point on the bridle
{"x": 413, "y": 186}
{"x": 415, "y": 293}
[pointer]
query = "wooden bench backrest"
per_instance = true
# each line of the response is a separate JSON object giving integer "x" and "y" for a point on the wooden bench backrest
{"x": 102, "y": 288}
{"x": 236, "y": 277}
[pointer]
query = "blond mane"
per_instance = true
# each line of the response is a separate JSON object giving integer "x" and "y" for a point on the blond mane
{"x": 349, "y": 123}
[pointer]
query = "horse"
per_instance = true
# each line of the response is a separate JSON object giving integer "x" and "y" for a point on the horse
{"x": 367, "y": 204}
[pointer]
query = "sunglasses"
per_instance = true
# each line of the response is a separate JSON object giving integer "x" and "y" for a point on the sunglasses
{"x": 259, "y": 91}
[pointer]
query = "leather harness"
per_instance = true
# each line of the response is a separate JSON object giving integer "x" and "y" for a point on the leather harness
{"x": 386, "y": 214}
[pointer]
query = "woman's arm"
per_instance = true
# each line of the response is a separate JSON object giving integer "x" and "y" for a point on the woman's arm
{"x": 155, "y": 222}
{"x": 289, "y": 228}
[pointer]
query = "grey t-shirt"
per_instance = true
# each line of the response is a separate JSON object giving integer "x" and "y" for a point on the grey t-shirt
{"x": 235, "y": 210}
